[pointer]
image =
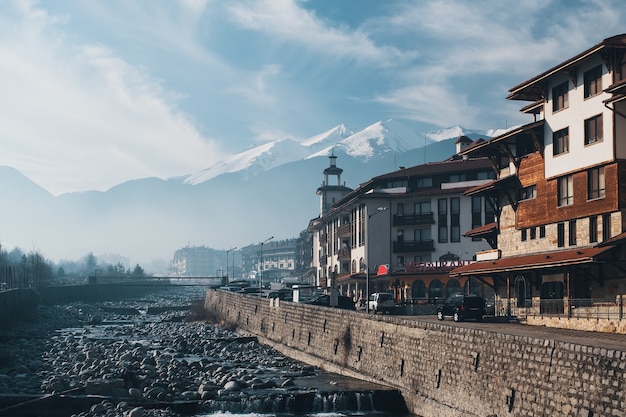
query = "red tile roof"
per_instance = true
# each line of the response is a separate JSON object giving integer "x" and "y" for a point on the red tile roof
{"x": 536, "y": 261}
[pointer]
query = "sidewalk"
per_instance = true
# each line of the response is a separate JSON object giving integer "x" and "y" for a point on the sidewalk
{"x": 585, "y": 338}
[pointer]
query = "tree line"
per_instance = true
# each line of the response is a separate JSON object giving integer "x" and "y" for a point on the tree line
{"x": 32, "y": 269}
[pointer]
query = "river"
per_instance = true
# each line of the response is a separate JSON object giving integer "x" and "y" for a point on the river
{"x": 155, "y": 356}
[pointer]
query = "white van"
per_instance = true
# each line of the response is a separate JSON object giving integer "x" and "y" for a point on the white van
{"x": 381, "y": 301}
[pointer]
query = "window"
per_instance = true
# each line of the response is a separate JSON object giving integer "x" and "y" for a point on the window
{"x": 455, "y": 219}
{"x": 422, "y": 235}
{"x": 593, "y": 81}
{"x": 542, "y": 232}
{"x": 559, "y": 97}
{"x": 572, "y": 232}
{"x": 593, "y": 229}
{"x": 524, "y": 235}
{"x": 565, "y": 191}
{"x": 593, "y": 130}
{"x": 484, "y": 175}
{"x": 560, "y": 231}
{"x": 533, "y": 233}
{"x": 528, "y": 193}
{"x": 400, "y": 209}
{"x": 424, "y": 182}
{"x": 422, "y": 208}
{"x": 595, "y": 183}
{"x": 443, "y": 234}
{"x": 442, "y": 220}
{"x": 606, "y": 227}
{"x": 560, "y": 141}
{"x": 477, "y": 214}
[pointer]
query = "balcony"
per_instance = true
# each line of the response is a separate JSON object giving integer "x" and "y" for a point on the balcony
{"x": 413, "y": 219}
{"x": 344, "y": 230}
{"x": 343, "y": 254}
{"x": 415, "y": 246}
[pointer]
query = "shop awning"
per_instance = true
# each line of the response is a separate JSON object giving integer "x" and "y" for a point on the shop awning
{"x": 528, "y": 262}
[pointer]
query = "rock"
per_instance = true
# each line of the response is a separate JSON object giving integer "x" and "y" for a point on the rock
{"x": 134, "y": 392}
{"x": 232, "y": 386}
{"x": 136, "y": 412}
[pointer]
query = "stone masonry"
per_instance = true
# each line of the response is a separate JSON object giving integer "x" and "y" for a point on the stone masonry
{"x": 441, "y": 370}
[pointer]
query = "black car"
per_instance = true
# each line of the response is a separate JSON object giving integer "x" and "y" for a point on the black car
{"x": 343, "y": 302}
{"x": 462, "y": 307}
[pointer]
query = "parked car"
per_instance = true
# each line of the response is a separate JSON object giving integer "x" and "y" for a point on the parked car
{"x": 490, "y": 307}
{"x": 462, "y": 307}
{"x": 344, "y": 302}
{"x": 285, "y": 294}
{"x": 382, "y": 301}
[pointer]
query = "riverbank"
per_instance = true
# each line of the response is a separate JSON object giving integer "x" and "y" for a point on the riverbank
{"x": 442, "y": 370}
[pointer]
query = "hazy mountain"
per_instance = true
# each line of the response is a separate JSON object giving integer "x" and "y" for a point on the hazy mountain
{"x": 268, "y": 190}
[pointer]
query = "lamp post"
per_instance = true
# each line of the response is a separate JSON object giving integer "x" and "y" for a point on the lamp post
{"x": 367, "y": 251}
{"x": 234, "y": 251}
{"x": 262, "y": 268}
{"x": 229, "y": 250}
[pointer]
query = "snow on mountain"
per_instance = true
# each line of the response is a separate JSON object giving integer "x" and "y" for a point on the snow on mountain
{"x": 258, "y": 159}
{"x": 455, "y": 132}
{"x": 333, "y": 135}
{"x": 377, "y": 139}
{"x": 371, "y": 142}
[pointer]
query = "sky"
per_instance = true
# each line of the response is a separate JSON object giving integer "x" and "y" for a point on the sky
{"x": 98, "y": 92}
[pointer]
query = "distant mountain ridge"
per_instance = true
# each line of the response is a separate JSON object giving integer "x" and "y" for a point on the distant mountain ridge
{"x": 265, "y": 190}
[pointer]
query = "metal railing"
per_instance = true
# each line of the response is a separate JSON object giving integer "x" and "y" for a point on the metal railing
{"x": 575, "y": 308}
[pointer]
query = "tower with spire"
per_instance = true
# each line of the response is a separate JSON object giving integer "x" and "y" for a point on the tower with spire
{"x": 331, "y": 189}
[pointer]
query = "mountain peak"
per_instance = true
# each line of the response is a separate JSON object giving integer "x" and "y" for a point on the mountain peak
{"x": 377, "y": 139}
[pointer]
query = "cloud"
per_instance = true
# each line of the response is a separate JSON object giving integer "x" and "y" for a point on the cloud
{"x": 287, "y": 21}
{"x": 461, "y": 45}
{"x": 79, "y": 117}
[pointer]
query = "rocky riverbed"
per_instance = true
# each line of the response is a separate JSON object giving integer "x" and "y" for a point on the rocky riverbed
{"x": 151, "y": 357}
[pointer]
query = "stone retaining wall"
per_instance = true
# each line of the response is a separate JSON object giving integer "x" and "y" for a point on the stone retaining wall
{"x": 442, "y": 371}
{"x": 16, "y": 305}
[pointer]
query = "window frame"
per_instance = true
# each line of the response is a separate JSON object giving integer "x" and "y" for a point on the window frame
{"x": 594, "y": 124}
{"x": 572, "y": 233}
{"x": 592, "y": 80}
{"x": 560, "y": 141}
{"x": 565, "y": 191}
{"x": 560, "y": 99}
{"x": 596, "y": 183}
{"x": 528, "y": 193}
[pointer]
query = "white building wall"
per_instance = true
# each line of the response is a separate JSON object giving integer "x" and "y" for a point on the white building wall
{"x": 574, "y": 118}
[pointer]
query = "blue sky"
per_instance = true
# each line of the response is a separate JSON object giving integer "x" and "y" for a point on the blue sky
{"x": 98, "y": 92}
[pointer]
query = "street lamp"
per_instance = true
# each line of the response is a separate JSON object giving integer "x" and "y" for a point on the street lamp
{"x": 229, "y": 250}
{"x": 367, "y": 251}
{"x": 261, "y": 279}
{"x": 234, "y": 276}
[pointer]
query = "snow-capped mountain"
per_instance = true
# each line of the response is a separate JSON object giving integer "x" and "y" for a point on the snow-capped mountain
{"x": 374, "y": 141}
{"x": 266, "y": 190}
